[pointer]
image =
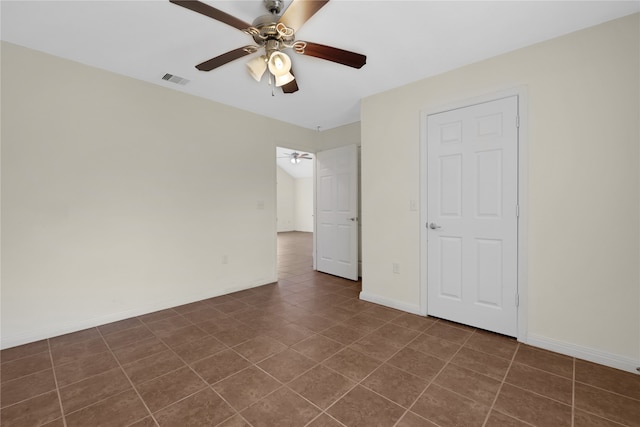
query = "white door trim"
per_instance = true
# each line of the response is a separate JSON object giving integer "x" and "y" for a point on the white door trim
{"x": 523, "y": 196}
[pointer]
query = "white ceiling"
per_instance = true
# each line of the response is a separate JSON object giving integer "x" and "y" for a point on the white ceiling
{"x": 304, "y": 169}
{"x": 404, "y": 41}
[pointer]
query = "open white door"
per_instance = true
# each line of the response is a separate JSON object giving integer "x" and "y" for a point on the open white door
{"x": 337, "y": 212}
{"x": 472, "y": 209}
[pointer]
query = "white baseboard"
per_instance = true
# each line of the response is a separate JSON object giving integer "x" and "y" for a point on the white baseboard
{"x": 387, "y": 302}
{"x": 580, "y": 352}
{"x": 56, "y": 329}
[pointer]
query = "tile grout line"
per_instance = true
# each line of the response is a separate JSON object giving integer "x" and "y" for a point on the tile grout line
{"x": 607, "y": 391}
{"x": 359, "y": 383}
{"x": 282, "y": 384}
{"x": 127, "y": 376}
{"x": 317, "y": 333}
{"x": 210, "y": 386}
{"x": 573, "y": 392}
{"x": 231, "y": 348}
{"x": 356, "y": 383}
{"x": 328, "y": 415}
{"x": 573, "y": 402}
{"x": 541, "y": 395}
{"x": 504, "y": 379}
{"x": 431, "y": 381}
{"x": 27, "y": 398}
{"x": 207, "y": 385}
{"x": 617, "y": 423}
{"x": 55, "y": 379}
{"x": 321, "y": 363}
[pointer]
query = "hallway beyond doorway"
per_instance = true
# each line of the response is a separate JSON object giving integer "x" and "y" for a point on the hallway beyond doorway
{"x": 295, "y": 253}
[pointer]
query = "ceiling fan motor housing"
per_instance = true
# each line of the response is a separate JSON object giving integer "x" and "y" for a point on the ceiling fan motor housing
{"x": 267, "y": 31}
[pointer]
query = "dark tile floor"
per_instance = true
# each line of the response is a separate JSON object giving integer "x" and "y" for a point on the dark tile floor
{"x": 303, "y": 352}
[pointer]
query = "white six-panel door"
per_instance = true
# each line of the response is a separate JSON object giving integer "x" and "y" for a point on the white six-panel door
{"x": 472, "y": 223}
{"x": 337, "y": 212}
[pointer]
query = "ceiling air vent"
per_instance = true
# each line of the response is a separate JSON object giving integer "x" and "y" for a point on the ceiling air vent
{"x": 175, "y": 79}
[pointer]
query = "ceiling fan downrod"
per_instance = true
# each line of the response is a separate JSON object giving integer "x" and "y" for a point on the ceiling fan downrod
{"x": 273, "y": 6}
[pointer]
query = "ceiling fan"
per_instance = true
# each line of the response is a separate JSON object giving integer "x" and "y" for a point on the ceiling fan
{"x": 273, "y": 33}
{"x": 296, "y": 157}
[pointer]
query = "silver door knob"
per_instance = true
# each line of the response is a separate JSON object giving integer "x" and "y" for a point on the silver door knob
{"x": 434, "y": 226}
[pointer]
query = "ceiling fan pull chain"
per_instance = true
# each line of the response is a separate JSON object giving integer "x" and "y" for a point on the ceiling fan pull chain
{"x": 273, "y": 87}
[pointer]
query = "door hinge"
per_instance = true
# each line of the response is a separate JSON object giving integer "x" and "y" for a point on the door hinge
{"x": 517, "y": 121}
{"x": 517, "y": 300}
{"x": 517, "y": 211}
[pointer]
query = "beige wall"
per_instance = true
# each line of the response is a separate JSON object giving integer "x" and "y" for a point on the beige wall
{"x": 303, "y": 207}
{"x": 339, "y": 137}
{"x": 119, "y": 197}
{"x": 584, "y": 185}
{"x": 285, "y": 201}
{"x": 294, "y": 202}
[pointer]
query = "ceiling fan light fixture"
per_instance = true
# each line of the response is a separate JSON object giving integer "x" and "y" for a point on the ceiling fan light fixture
{"x": 257, "y": 67}
{"x": 279, "y": 64}
{"x": 295, "y": 160}
{"x": 283, "y": 80}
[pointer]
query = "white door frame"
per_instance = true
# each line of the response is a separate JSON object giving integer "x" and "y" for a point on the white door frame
{"x": 523, "y": 196}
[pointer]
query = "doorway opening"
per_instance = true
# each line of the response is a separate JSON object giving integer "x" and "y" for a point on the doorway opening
{"x": 294, "y": 217}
